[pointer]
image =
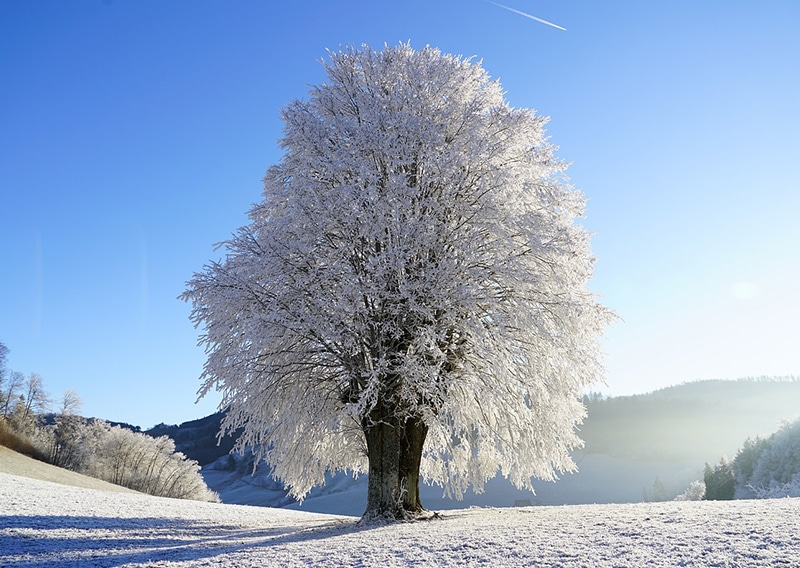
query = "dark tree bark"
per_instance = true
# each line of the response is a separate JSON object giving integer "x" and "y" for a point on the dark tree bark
{"x": 394, "y": 448}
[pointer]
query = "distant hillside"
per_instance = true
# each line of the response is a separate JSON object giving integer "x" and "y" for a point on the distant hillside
{"x": 699, "y": 420}
{"x": 197, "y": 439}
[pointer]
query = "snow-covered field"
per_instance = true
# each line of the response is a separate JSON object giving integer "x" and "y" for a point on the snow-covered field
{"x": 44, "y": 524}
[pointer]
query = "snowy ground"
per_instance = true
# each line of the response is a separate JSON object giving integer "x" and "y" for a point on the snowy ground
{"x": 44, "y": 524}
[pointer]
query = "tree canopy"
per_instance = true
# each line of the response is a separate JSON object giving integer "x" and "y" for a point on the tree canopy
{"x": 414, "y": 269}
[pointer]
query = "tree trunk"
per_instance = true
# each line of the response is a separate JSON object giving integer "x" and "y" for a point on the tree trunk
{"x": 394, "y": 448}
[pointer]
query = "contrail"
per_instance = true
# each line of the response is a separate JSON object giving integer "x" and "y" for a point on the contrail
{"x": 541, "y": 21}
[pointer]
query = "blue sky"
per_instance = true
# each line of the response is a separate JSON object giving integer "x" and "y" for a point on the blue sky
{"x": 134, "y": 135}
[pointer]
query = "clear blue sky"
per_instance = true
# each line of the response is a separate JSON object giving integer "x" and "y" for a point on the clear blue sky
{"x": 134, "y": 135}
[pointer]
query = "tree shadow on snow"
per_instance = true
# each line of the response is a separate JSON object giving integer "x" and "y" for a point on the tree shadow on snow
{"x": 55, "y": 541}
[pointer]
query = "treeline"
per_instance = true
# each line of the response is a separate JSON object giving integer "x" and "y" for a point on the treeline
{"x": 763, "y": 468}
{"x": 772, "y": 379}
{"x": 91, "y": 447}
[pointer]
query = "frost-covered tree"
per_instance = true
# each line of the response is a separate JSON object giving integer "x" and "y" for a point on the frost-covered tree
{"x": 70, "y": 403}
{"x": 695, "y": 492}
{"x": 35, "y": 398}
{"x": 32, "y": 401}
{"x": 777, "y": 470}
{"x": 141, "y": 462}
{"x": 64, "y": 441}
{"x": 410, "y": 295}
{"x": 12, "y": 388}
{"x": 3, "y": 372}
{"x": 745, "y": 463}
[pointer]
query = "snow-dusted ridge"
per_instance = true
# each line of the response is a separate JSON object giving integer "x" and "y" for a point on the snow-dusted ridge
{"x": 44, "y": 524}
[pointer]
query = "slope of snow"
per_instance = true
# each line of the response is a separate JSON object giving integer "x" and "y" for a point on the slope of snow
{"x": 45, "y": 524}
{"x": 17, "y": 464}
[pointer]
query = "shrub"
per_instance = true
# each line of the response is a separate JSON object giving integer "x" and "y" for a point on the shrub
{"x": 17, "y": 441}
